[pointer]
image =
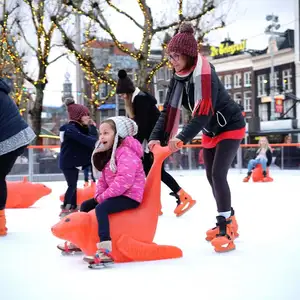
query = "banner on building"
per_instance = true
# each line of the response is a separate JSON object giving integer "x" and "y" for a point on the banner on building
{"x": 279, "y": 103}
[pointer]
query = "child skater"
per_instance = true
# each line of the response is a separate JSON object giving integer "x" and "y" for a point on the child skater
{"x": 263, "y": 157}
{"x": 77, "y": 146}
{"x": 118, "y": 156}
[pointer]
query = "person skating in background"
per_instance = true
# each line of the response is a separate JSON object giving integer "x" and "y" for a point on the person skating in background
{"x": 93, "y": 132}
{"x": 77, "y": 146}
{"x": 15, "y": 135}
{"x": 141, "y": 107}
{"x": 263, "y": 157}
{"x": 196, "y": 86}
{"x": 121, "y": 185}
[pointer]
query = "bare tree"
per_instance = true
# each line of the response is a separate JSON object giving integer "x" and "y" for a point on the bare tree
{"x": 96, "y": 11}
{"x": 37, "y": 24}
{"x": 9, "y": 56}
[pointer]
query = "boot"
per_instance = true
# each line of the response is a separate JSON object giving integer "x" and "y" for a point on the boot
{"x": 266, "y": 178}
{"x": 212, "y": 233}
{"x": 3, "y": 229}
{"x": 102, "y": 256}
{"x": 184, "y": 202}
{"x": 224, "y": 240}
{"x": 247, "y": 178}
{"x": 86, "y": 184}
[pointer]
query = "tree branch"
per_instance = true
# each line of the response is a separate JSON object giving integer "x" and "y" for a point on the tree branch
{"x": 57, "y": 58}
{"x": 155, "y": 69}
{"x": 25, "y": 38}
{"x": 124, "y": 13}
{"x": 104, "y": 25}
{"x": 207, "y": 8}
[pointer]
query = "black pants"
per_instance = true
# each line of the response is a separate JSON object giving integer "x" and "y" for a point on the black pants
{"x": 86, "y": 171}
{"x": 166, "y": 178}
{"x": 71, "y": 176}
{"x": 107, "y": 207}
{"x": 217, "y": 163}
{"x": 7, "y": 161}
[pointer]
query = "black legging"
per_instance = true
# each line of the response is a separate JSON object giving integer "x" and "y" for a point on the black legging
{"x": 7, "y": 161}
{"x": 217, "y": 163}
{"x": 106, "y": 208}
{"x": 166, "y": 178}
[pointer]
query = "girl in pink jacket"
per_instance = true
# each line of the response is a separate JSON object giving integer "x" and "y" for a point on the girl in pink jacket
{"x": 121, "y": 185}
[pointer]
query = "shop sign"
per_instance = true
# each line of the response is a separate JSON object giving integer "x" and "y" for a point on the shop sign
{"x": 226, "y": 49}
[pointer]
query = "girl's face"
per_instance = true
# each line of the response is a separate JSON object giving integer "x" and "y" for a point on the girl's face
{"x": 178, "y": 61}
{"x": 125, "y": 97}
{"x": 263, "y": 141}
{"x": 85, "y": 120}
{"x": 106, "y": 137}
{"x": 288, "y": 140}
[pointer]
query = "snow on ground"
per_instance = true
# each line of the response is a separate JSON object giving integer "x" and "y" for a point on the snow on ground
{"x": 264, "y": 266}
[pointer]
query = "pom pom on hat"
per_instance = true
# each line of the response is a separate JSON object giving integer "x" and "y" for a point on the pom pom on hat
{"x": 184, "y": 41}
{"x": 125, "y": 84}
{"x": 69, "y": 101}
{"x": 122, "y": 74}
{"x": 186, "y": 28}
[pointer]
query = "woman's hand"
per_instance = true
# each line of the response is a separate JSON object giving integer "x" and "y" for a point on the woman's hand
{"x": 152, "y": 143}
{"x": 174, "y": 144}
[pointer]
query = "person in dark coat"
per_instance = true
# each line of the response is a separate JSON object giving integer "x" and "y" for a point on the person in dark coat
{"x": 196, "y": 86}
{"x": 94, "y": 132}
{"x": 77, "y": 145}
{"x": 15, "y": 135}
{"x": 141, "y": 107}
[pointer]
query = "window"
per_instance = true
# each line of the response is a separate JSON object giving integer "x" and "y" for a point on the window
{"x": 287, "y": 80}
{"x": 160, "y": 96}
{"x": 247, "y": 79}
{"x": 169, "y": 74}
{"x": 228, "y": 82}
{"x": 287, "y": 104}
{"x": 237, "y": 97}
{"x": 103, "y": 90}
{"x": 247, "y": 101}
{"x": 261, "y": 85}
{"x": 237, "y": 80}
{"x": 263, "y": 112}
{"x": 276, "y": 80}
{"x": 161, "y": 74}
{"x": 221, "y": 78}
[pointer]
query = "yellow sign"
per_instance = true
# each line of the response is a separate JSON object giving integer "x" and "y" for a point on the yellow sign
{"x": 227, "y": 49}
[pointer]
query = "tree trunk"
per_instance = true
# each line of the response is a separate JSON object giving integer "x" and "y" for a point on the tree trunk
{"x": 142, "y": 74}
{"x": 36, "y": 112}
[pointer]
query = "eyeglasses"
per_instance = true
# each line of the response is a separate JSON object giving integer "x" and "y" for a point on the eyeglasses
{"x": 174, "y": 57}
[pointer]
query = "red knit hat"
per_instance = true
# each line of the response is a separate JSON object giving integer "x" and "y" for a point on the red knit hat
{"x": 76, "y": 111}
{"x": 184, "y": 42}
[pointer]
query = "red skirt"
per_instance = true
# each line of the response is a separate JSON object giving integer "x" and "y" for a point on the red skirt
{"x": 211, "y": 142}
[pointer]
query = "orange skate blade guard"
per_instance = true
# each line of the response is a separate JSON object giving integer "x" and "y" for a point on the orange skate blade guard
{"x": 184, "y": 207}
{"x": 223, "y": 244}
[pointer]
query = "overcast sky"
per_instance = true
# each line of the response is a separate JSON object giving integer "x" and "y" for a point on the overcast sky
{"x": 246, "y": 21}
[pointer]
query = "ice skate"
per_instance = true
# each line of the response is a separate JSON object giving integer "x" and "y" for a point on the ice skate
{"x": 247, "y": 178}
{"x": 224, "y": 240}
{"x": 3, "y": 229}
{"x": 212, "y": 233}
{"x": 103, "y": 257}
{"x": 266, "y": 178}
{"x": 68, "y": 209}
{"x": 68, "y": 248}
{"x": 184, "y": 202}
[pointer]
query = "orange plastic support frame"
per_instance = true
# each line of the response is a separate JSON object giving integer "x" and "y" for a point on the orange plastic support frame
{"x": 132, "y": 231}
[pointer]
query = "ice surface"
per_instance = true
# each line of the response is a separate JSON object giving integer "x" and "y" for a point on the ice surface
{"x": 265, "y": 265}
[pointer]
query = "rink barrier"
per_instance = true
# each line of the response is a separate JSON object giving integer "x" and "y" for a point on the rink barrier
{"x": 186, "y": 159}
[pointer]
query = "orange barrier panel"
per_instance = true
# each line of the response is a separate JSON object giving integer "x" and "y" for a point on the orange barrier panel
{"x": 23, "y": 194}
{"x": 83, "y": 194}
{"x": 132, "y": 231}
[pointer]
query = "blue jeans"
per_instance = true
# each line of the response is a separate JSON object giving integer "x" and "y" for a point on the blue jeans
{"x": 253, "y": 162}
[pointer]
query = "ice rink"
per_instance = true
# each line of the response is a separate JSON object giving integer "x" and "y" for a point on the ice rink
{"x": 264, "y": 266}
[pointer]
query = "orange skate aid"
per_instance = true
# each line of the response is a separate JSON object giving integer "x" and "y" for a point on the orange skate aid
{"x": 257, "y": 175}
{"x": 3, "y": 229}
{"x": 132, "y": 231}
{"x": 83, "y": 194}
{"x": 23, "y": 194}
